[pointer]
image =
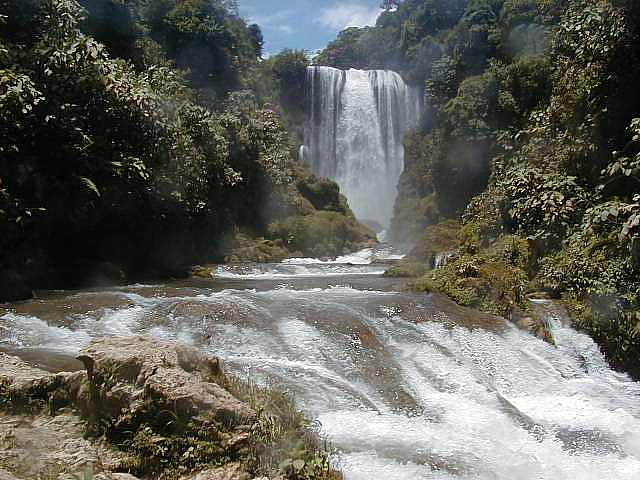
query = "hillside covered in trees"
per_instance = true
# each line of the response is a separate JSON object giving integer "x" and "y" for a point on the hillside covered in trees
{"x": 134, "y": 142}
{"x": 525, "y": 167}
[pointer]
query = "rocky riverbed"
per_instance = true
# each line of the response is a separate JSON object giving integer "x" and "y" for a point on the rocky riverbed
{"x": 150, "y": 408}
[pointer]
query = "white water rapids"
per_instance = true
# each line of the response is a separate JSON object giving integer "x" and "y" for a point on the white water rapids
{"x": 355, "y": 133}
{"x": 405, "y": 386}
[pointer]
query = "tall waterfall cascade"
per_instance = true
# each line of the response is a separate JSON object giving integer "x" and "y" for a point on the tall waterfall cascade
{"x": 354, "y": 135}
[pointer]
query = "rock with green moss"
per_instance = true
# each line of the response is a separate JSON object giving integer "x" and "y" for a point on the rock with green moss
{"x": 492, "y": 285}
{"x": 441, "y": 238}
{"x": 407, "y": 270}
{"x": 323, "y": 234}
{"x": 202, "y": 271}
{"x": 324, "y": 194}
{"x": 257, "y": 250}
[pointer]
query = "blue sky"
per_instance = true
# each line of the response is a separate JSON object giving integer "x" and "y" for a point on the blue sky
{"x": 306, "y": 24}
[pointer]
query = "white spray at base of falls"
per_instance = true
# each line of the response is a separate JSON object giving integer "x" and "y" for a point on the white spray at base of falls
{"x": 357, "y": 120}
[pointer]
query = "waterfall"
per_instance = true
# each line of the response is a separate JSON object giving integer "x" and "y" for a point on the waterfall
{"x": 354, "y": 134}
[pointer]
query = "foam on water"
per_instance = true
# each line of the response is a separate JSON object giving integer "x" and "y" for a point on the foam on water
{"x": 404, "y": 389}
{"x": 293, "y": 270}
{"x": 21, "y": 331}
{"x": 366, "y": 256}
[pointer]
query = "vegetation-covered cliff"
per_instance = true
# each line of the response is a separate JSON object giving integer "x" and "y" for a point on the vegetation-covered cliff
{"x": 134, "y": 141}
{"x": 531, "y": 139}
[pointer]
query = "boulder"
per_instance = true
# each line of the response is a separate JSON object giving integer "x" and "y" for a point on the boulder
{"x": 131, "y": 380}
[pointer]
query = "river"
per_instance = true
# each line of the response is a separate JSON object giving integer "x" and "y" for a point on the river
{"x": 404, "y": 386}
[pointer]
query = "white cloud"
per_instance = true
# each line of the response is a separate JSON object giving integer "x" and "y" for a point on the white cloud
{"x": 286, "y": 29}
{"x": 344, "y": 15}
{"x": 278, "y": 21}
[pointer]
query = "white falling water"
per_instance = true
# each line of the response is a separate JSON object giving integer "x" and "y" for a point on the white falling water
{"x": 357, "y": 122}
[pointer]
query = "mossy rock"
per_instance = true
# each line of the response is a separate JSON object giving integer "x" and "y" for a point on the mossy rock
{"x": 257, "y": 250}
{"x": 406, "y": 270}
{"x": 438, "y": 238}
{"x": 324, "y": 194}
{"x": 488, "y": 284}
{"x": 202, "y": 272}
{"x": 322, "y": 234}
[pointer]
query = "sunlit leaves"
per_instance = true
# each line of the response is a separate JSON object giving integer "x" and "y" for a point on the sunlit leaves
{"x": 543, "y": 205}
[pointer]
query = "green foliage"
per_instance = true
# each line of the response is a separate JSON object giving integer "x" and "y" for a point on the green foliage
{"x": 543, "y": 205}
{"x": 488, "y": 283}
{"x": 439, "y": 238}
{"x": 321, "y": 234}
{"x": 205, "y": 38}
{"x": 125, "y": 160}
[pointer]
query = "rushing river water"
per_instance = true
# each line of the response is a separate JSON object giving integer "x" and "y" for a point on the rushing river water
{"x": 405, "y": 386}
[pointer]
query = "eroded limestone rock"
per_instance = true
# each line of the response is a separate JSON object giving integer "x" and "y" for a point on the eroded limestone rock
{"x": 42, "y": 446}
{"x": 234, "y": 471}
{"x": 130, "y": 380}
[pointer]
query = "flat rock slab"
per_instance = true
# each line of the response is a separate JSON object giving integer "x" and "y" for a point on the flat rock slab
{"x": 48, "y": 447}
{"x": 19, "y": 374}
{"x": 234, "y": 471}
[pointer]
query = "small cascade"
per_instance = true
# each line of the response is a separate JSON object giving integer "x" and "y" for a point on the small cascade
{"x": 355, "y": 131}
{"x": 441, "y": 259}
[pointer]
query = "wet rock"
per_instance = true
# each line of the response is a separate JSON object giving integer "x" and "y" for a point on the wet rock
{"x": 534, "y": 325}
{"x": 234, "y": 471}
{"x": 132, "y": 379}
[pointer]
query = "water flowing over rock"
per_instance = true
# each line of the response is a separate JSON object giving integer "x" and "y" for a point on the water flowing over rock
{"x": 354, "y": 135}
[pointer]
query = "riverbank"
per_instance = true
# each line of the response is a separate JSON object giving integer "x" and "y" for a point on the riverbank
{"x": 308, "y": 218}
{"x": 503, "y": 274}
{"x": 404, "y": 385}
{"x": 150, "y": 409}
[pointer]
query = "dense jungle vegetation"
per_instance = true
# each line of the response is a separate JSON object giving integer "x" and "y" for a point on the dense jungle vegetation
{"x": 139, "y": 137}
{"x": 526, "y": 166}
